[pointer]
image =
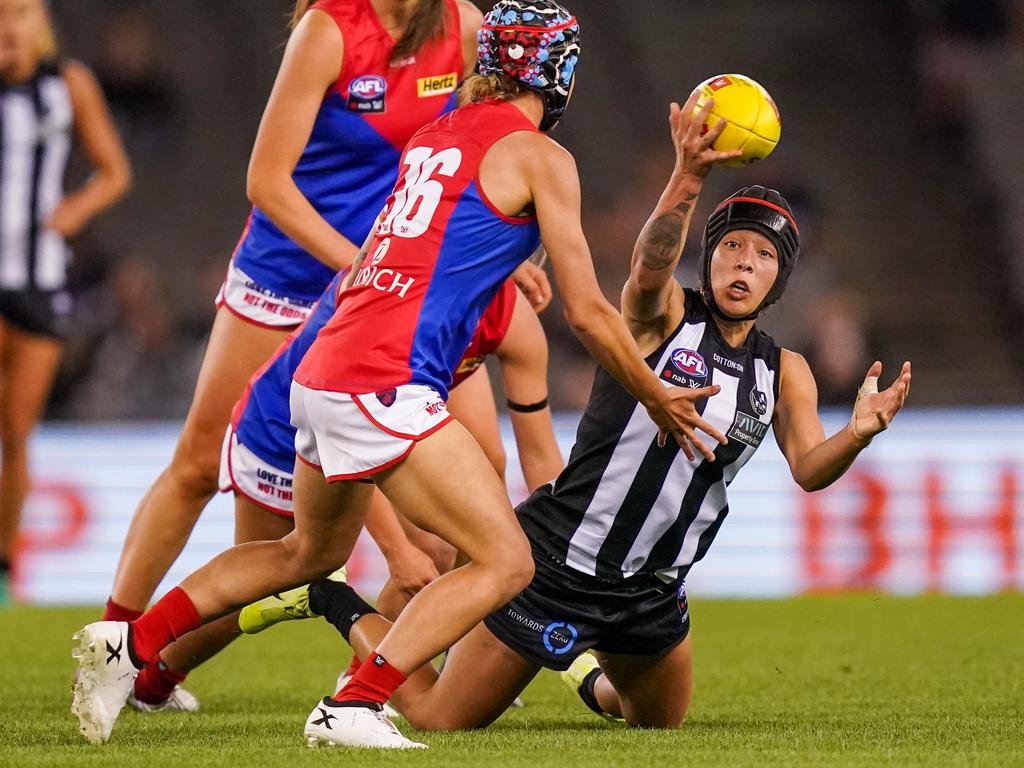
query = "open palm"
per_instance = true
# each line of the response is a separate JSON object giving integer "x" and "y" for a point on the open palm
{"x": 874, "y": 410}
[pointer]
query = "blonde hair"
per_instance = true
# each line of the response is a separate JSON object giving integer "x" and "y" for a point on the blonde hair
{"x": 477, "y": 88}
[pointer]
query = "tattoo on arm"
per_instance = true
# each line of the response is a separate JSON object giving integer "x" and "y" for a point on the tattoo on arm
{"x": 661, "y": 239}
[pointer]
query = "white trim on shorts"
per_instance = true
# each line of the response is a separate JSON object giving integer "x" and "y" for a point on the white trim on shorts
{"x": 258, "y": 305}
{"x": 245, "y": 473}
{"x": 351, "y": 437}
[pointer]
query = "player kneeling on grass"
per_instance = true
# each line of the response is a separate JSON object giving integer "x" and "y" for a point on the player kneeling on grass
{"x": 614, "y": 537}
{"x": 258, "y": 458}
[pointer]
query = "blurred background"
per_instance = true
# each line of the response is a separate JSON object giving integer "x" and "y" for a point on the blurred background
{"x": 899, "y": 152}
{"x": 900, "y": 155}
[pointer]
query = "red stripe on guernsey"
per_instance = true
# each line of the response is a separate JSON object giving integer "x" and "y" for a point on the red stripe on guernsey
{"x": 489, "y": 333}
{"x": 368, "y": 49}
{"x": 236, "y": 412}
{"x": 245, "y": 232}
{"x": 368, "y": 345}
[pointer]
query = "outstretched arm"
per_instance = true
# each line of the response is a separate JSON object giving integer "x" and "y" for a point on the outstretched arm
{"x": 555, "y": 191}
{"x": 814, "y": 461}
{"x": 652, "y": 296}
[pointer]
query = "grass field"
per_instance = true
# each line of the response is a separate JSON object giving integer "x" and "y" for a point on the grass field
{"x": 854, "y": 680}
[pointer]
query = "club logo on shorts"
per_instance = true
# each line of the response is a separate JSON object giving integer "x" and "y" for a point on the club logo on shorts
{"x": 559, "y": 637}
{"x": 686, "y": 368}
{"x": 366, "y": 94}
{"x": 387, "y": 397}
{"x": 684, "y": 609}
{"x": 759, "y": 402}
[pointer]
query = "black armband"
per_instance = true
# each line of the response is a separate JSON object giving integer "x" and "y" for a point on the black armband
{"x": 531, "y": 408}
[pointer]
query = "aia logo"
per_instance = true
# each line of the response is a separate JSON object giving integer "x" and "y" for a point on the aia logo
{"x": 690, "y": 362}
{"x": 368, "y": 87}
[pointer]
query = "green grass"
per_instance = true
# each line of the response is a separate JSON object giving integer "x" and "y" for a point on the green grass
{"x": 854, "y": 680}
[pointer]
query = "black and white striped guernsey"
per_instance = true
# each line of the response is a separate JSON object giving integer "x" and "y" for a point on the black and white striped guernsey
{"x": 36, "y": 121}
{"x": 623, "y": 505}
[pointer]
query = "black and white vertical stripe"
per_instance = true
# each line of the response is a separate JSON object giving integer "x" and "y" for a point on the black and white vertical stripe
{"x": 36, "y": 120}
{"x": 625, "y": 505}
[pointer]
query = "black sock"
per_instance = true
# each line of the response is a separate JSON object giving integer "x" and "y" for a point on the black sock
{"x": 586, "y": 690}
{"x": 338, "y": 603}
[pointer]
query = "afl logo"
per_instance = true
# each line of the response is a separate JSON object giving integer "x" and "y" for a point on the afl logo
{"x": 689, "y": 362}
{"x": 367, "y": 93}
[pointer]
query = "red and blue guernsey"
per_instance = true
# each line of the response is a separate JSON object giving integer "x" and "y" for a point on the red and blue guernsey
{"x": 440, "y": 254}
{"x": 261, "y": 419}
{"x": 350, "y": 164}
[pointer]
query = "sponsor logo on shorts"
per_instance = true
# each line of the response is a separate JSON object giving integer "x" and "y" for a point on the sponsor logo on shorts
{"x": 435, "y": 407}
{"x": 272, "y": 484}
{"x": 759, "y": 402}
{"x": 686, "y": 368}
{"x": 436, "y": 85}
{"x": 367, "y": 94}
{"x": 387, "y": 397}
{"x": 559, "y": 637}
{"x": 747, "y": 429}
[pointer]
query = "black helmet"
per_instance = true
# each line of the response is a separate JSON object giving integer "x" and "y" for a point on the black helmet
{"x": 536, "y": 42}
{"x": 762, "y": 210}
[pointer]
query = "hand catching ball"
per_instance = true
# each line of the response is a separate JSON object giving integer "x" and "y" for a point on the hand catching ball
{"x": 754, "y": 123}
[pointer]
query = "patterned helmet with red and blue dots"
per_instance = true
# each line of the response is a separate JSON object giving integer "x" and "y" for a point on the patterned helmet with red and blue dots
{"x": 536, "y": 42}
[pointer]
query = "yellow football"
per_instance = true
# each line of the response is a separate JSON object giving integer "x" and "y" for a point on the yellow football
{"x": 754, "y": 121}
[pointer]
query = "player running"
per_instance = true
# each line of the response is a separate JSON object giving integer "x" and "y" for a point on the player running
{"x": 358, "y": 78}
{"x": 616, "y": 534}
{"x": 259, "y": 458}
{"x": 45, "y": 104}
{"x": 479, "y": 187}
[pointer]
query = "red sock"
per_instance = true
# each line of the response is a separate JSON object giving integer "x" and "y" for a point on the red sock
{"x": 354, "y": 666}
{"x": 115, "y": 612}
{"x": 173, "y": 616}
{"x": 375, "y": 681}
{"x": 156, "y": 682}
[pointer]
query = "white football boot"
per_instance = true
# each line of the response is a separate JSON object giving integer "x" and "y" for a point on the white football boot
{"x": 106, "y": 675}
{"x": 344, "y": 677}
{"x": 363, "y": 726}
{"x": 180, "y": 700}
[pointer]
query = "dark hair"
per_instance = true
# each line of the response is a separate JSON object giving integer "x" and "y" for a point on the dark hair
{"x": 301, "y": 6}
{"x": 427, "y": 22}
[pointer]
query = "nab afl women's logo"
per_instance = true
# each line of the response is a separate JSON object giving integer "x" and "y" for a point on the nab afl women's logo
{"x": 690, "y": 362}
{"x": 367, "y": 94}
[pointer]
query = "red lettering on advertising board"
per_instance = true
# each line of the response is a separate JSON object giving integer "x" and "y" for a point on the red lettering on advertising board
{"x": 944, "y": 524}
{"x": 823, "y": 575}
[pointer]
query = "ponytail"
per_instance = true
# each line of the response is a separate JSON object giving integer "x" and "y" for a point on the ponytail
{"x": 301, "y": 6}
{"x": 477, "y": 88}
{"x": 426, "y": 23}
